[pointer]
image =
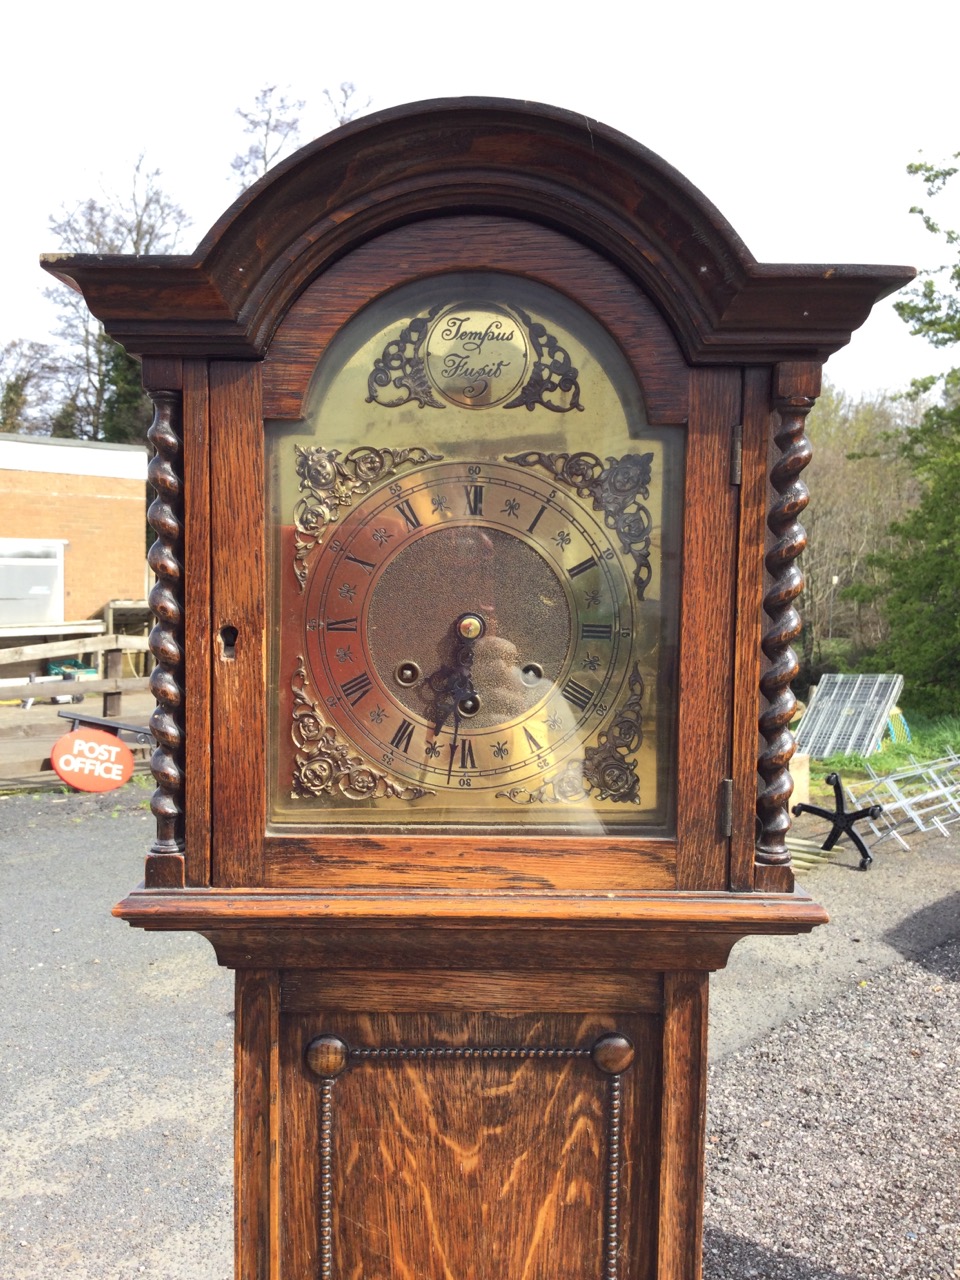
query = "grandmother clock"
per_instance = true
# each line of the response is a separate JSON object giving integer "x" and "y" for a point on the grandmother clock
{"x": 478, "y": 442}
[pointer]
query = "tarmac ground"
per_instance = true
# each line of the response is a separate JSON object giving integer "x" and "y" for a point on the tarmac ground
{"x": 832, "y": 1143}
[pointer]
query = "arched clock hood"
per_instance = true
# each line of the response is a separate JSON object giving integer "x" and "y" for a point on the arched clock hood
{"x": 462, "y": 156}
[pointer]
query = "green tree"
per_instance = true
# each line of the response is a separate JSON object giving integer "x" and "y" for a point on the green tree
{"x": 932, "y": 308}
{"x": 858, "y": 484}
{"x": 922, "y": 575}
{"x": 127, "y": 411}
{"x": 25, "y": 373}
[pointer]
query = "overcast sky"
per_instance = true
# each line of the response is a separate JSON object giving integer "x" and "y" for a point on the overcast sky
{"x": 796, "y": 120}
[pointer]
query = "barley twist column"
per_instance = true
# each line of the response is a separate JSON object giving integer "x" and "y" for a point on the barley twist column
{"x": 166, "y": 603}
{"x": 786, "y": 583}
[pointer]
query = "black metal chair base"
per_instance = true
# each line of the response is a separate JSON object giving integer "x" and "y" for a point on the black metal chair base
{"x": 842, "y": 821}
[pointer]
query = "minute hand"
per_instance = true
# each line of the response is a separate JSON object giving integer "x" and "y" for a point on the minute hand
{"x": 462, "y": 691}
{"x": 453, "y": 685}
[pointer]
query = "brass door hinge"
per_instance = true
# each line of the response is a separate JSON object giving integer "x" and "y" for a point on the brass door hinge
{"x": 736, "y": 453}
{"x": 726, "y": 807}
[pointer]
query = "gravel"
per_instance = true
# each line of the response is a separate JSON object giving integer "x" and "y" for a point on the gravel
{"x": 832, "y": 1129}
{"x": 833, "y": 1142}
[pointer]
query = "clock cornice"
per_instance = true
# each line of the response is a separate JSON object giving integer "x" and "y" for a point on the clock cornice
{"x": 462, "y": 156}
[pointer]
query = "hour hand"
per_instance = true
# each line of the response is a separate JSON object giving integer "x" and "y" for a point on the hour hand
{"x": 453, "y": 695}
{"x": 443, "y": 697}
{"x": 452, "y": 685}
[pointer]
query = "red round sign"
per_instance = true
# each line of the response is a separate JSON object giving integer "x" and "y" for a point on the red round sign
{"x": 92, "y": 760}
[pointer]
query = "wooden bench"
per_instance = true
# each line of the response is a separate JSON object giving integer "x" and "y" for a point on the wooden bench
{"x": 142, "y": 733}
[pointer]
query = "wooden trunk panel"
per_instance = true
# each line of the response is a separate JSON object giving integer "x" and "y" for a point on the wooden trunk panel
{"x": 239, "y": 692}
{"x": 466, "y": 1165}
{"x": 255, "y": 1121}
{"x": 707, "y": 631}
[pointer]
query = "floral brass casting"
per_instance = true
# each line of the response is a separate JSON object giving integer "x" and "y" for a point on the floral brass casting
{"x": 401, "y": 367}
{"x": 606, "y": 768}
{"x": 329, "y": 483}
{"x": 324, "y": 766}
{"x": 553, "y": 380}
{"x": 616, "y": 490}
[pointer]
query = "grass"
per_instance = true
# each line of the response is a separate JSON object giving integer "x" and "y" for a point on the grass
{"x": 931, "y": 738}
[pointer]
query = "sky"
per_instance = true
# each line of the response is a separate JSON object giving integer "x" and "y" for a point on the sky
{"x": 796, "y": 121}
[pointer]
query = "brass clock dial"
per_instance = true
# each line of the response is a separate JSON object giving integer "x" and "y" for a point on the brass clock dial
{"x": 474, "y": 610}
{"x": 467, "y": 629}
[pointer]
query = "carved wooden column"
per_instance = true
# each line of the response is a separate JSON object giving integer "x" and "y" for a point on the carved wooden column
{"x": 796, "y": 387}
{"x": 165, "y": 558}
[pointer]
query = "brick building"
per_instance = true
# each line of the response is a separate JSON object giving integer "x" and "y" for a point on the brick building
{"x": 72, "y": 528}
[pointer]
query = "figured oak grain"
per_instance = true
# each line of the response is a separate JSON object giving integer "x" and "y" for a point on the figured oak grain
{"x": 430, "y": 990}
{"x": 683, "y": 1102}
{"x": 256, "y": 1119}
{"x": 239, "y": 687}
{"x": 446, "y": 1157}
{"x": 198, "y": 636}
{"x": 706, "y": 631}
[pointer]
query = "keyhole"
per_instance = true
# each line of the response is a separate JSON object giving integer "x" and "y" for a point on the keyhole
{"x": 228, "y": 643}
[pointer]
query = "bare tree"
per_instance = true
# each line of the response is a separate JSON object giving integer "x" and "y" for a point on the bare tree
{"x": 274, "y": 125}
{"x": 343, "y": 104}
{"x": 90, "y": 369}
{"x": 858, "y": 484}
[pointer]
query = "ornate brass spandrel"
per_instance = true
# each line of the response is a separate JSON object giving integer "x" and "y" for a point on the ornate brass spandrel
{"x": 324, "y": 766}
{"x": 401, "y": 367}
{"x": 328, "y": 483}
{"x": 616, "y": 490}
{"x": 475, "y": 357}
{"x": 553, "y": 381}
{"x": 607, "y": 767}
{"x": 607, "y": 771}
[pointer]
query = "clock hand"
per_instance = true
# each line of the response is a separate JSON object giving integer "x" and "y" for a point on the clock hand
{"x": 452, "y": 684}
{"x": 453, "y": 745}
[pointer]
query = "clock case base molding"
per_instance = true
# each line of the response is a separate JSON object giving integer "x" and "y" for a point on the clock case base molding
{"x": 646, "y": 929}
{"x": 469, "y": 1097}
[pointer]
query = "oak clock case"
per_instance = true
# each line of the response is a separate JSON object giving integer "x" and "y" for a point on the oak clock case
{"x": 435, "y": 401}
{"x": 474, "y": 569}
